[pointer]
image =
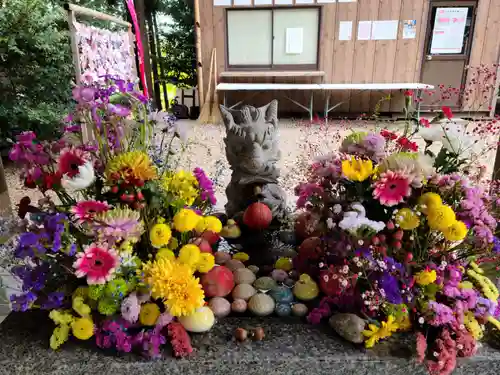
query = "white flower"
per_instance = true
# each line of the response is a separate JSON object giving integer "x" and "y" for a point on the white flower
{"x": 82, "y": 180}
{"x": 433, "y": 133}
{"x": 421, "y": 320}
{"x": 337, "y": 209}
{"x": 330, "y": 224}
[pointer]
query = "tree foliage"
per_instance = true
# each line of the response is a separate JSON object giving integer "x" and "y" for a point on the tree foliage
{"x": 178, "y": 44}
{"x": 36, "y": 67}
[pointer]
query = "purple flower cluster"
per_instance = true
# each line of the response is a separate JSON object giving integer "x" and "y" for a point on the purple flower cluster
{"x": 205, "y": 185}
{"x": 372, "y": 145}
{"x": 306, "y": 191}
{"x": 442, "y": 314}
{"x": 30, "y": 154}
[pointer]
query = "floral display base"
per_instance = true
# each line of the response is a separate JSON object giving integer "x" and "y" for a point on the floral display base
{"x": 289, "y": 347}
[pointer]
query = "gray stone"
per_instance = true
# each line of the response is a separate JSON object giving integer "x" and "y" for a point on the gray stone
{"x": 348, "y": 326}
{"x": 290, "y": 347}
{"x": 253, "y": 153}
{"x": 288, "y": 237}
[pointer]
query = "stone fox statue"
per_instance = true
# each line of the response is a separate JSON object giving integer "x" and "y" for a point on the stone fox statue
{"x": 252, "y": 152}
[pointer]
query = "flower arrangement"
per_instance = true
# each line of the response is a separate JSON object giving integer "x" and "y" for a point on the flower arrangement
{"x": 406, "y": 240}
{"x": 109, "y": 253}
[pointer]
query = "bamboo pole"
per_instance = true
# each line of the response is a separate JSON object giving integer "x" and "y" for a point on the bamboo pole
{"x": 199, "y": 65}
{"x": 95, "y": 14}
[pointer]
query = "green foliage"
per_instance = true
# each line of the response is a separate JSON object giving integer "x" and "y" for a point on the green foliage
{"x": 36, "y": 68}
{"x": 178, "y": 44}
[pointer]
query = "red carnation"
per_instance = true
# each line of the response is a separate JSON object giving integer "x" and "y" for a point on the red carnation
{"x": 180, "y": 340}
{"x": 447, "y": 112}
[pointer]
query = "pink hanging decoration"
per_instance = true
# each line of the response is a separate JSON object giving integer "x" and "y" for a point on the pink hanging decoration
{"x": 140, "y": 50}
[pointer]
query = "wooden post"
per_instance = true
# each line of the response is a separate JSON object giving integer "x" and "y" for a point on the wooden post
{"x": 199, "y": 65}
{"x": 5, "y": 203}
{"x": 141, "y": 15}
{"x": 160, "y": 62}
{"x": 154, "y": 60}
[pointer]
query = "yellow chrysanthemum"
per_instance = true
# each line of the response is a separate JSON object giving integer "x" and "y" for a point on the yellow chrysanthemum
{"x": 160, "y": 235}
{"x": 357, "y": 169}
{"x": 133, "y": 167}
{"x": 206, "y": 263}
{"x": 165, "y": 253}
{"x": 429, "y": 200}
{"x": 190, "y": 255}
{"x": 82, "y": 328}
{"x": 209, "y": 223}
{"x": 182, "y": 185}
{"x": 472, "y": 325}
{"x": 456, "y": 231}
{"x": 488, "y": 288}
{"x": 440, "y": 217}
{"x": 149, "y": 314}
{"x": 185, "y": 220}
{"x": 158, "y": 273}
{"x": 425, "y": 277}
{"x": 407, "y": 219}
{"x": 185, "y": 295}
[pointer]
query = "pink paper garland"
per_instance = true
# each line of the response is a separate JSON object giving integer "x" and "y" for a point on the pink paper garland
{"x": 140, "y": 50}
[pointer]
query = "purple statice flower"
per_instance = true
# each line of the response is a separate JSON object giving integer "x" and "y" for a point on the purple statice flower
{"x": 119, "y": 110}
{"x": 55, "y": 300}
{"x": 73, "y": 129}
{"x": 205, "y": 185}
{"x": 36, "y": 278}
{"x": 469, "y": 297}
{"x": 374, "y": 144}
{"x": 391, "y": 288}
{"x": 114, "y": 333}
{"x": 150, "y": 343}
{"x": 496, "y": 245}
{"x": 442, "y": 314}
{"x": 22, "y": 302}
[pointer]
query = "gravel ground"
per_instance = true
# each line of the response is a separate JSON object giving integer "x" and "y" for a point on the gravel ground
{"x": 299, "y": 143}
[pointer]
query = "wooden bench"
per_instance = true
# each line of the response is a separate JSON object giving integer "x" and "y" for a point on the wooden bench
{"x": 417, "y": 88}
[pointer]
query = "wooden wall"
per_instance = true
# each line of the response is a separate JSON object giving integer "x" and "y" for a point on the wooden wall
{"x": 357, "y": 61}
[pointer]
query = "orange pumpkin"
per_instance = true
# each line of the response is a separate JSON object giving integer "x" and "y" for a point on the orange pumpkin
{"x": 257, "y": 216}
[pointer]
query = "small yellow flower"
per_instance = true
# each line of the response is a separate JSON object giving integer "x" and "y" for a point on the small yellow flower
{"x": 455, "y": 232}
{"x": 429, "y": 200}
{"x": 149, "y": 314}
{"x": 209, "y": 223}
{"x": 190, "y": 255}
{"x": 425, "y": 277}
{"x": 160, "y": 235}
{"x": 440, "y": 217}
{"x": 206, "y": 263}
{"x": 372, "y": 335}
{"x": 241, "y": 256}
{"x": 165, "y": 253}
{"x": 472, "y": 325}
{"x": 494, "y": 321}
{"x": 185, "y": 220}
{"x": 407, "y": 219}
{"x": 59, "y": 336}
{"x": 83, "y": 328}
{"x": 357, "y": 169}
{"x": 375, "y": 333}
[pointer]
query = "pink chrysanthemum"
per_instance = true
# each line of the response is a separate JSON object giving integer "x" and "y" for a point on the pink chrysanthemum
{"x": 391, "y": 188}
{"x": 97, "y": 263}
{"x": 86, "y": 211}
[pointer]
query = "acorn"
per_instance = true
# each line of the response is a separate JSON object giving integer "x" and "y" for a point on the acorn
{"x": 240, "y": 334}
{"x": 258, "y": 334}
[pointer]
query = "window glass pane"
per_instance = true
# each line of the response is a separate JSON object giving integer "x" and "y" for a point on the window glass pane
{"x": 249, "y": 35}
{"x": 451, "y": 27}
{"x": 295, "y": 36}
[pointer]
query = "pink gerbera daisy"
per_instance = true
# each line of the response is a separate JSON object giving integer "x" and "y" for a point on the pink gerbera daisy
{"x": 391, "y": 188}
{"x": 85, "y": 211}
{"x": 97, "y": 262}
{"x": 70, "y": 160}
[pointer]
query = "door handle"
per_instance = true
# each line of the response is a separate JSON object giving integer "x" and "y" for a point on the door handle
{"x": 428, "y": 57}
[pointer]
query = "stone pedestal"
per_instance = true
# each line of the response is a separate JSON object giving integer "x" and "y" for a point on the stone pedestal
{"x": 290, "y": 347}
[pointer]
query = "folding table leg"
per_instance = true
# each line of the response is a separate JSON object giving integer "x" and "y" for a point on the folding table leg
{"x": 327, "y": 105}
{"x": 418, "y": 99}
{"x": 311, "y": 106}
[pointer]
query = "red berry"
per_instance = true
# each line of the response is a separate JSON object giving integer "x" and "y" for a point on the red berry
{"x": 375, "y": 240}
{"x": 398, "y": 245}
{"x": 114, "y": 189}
{"x": 390, "y": 225}
{"x": 398, "y": 235}
{"x": 140, "y": 196}
{"x": 409, "y": 257}
{"x": 139, "y": 183}
{"x": 124, "y": 197}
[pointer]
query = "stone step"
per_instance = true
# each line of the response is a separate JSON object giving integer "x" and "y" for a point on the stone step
{"x": 290, "y": 347}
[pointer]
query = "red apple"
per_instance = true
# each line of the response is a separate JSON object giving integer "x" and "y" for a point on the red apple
{"x": 218, "y": 282}
{"x": 210, "y": 237}
{"x": 203, "y": 244}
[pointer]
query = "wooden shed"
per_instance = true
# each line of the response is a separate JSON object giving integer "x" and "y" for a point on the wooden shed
{"x": 351, "y": 41}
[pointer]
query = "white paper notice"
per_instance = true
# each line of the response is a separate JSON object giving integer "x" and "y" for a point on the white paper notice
{"x": 304, "y": 1}
{"x": 345, "y": 30}
{"x": 409, "y": 29}
{"x": 325, "y": 1}
{"x": 385, "y": 30}
{"x": 449, "y": 29}
{"x": 242, "y": 2}
{"x": 294, "y": 41}
{"x": 364, "y": 30}
{"x": 262, "y": 2}
{"x": 283, "y": 2}
{"x": 222, "y": 3}
{"x": 346, "y": 1}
